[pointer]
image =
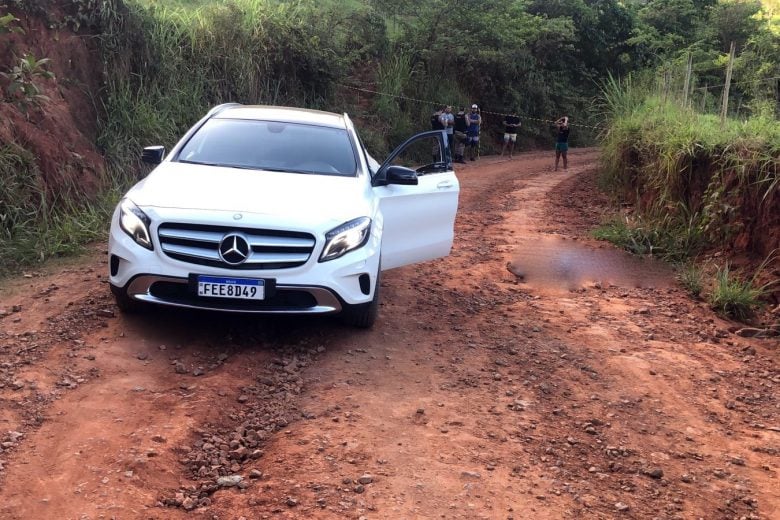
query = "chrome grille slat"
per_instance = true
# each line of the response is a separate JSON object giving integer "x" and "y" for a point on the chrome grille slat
{"x": 269, "y": 249}
{"x": 192, "y": 235}
{"x": 193, "y": 252}
{"x": 275, "y": 258}
{"x": 269, "y": 241}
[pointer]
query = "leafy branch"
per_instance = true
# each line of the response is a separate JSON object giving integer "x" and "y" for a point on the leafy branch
{"x": 7, "y": 22}
{"x": 23, "y": 88}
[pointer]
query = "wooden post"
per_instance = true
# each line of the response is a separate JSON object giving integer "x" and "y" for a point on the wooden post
{"x": 725, "y": 106}
{"x": 667, "y": 80}
{"x": 704, "y": 98}
{"x": 687, "y": 87}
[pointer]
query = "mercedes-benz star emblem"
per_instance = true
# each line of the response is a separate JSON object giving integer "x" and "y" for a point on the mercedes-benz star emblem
{"x": 234, "y": 249}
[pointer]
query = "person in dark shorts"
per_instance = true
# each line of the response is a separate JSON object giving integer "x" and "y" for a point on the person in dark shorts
{"x": 562, "y": 142}
{"x": 460, "y": 134}
{"x": 511, "y": 126}
{"x": 474, "y": 121}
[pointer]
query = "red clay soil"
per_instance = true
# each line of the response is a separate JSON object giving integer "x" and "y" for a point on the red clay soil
{"x": 478, "y": 394}
{"x": 60, "y": 133}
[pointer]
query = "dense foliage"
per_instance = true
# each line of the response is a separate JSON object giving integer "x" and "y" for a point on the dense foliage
{"x": 169, "y": 60}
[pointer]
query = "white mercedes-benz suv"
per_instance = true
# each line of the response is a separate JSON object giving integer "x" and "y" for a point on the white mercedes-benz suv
{"x": 279, "y": 210}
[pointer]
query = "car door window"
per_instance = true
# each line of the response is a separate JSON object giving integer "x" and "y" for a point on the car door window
{"x": 425, "y": 155}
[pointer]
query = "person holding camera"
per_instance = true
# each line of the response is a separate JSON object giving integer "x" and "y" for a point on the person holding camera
{"x": 562, "y": 142}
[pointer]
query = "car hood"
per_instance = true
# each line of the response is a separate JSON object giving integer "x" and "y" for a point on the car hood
{"x": 198, "y": 187}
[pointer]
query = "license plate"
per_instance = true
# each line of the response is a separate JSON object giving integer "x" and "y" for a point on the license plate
{"x": 240, "y": 288}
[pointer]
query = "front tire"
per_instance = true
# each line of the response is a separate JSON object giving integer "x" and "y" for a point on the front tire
{"x": 363, "y": 315}
{"x": 126, "y": 304}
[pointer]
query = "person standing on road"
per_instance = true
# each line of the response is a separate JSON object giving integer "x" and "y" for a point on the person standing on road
{"x": 562, "y": 142}
{"x": 459, "y": 129}
{"x": 436, "y": 124}
{"x": 448, "y": 121}
{"x": 511, "y": 126}
{"x": 474, "y": 121}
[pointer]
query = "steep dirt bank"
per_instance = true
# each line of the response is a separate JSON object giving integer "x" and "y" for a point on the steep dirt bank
{"x": 60, "y": 134}
{"x": 561, "y": 394}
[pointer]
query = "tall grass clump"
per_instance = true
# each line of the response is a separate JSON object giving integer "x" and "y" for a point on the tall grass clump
{"x": 737, "y": 297}
{"x": 668, "y": 238}
{"x": 34, "y": 225}
{"x": 692, "y": 278}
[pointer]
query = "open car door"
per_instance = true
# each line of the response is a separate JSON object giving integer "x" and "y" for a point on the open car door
{"x": 418, "y": 203}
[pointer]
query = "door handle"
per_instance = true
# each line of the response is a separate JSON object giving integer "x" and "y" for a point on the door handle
{"x": 444, "y": 185}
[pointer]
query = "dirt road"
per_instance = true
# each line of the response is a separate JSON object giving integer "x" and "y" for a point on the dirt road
{"x": 531, "y": 374}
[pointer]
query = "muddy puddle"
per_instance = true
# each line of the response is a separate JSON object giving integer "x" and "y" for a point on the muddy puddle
{"x": 552, "y": 262}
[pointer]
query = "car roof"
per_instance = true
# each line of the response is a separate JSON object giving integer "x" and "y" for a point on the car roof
{"x": 282, "y": 114}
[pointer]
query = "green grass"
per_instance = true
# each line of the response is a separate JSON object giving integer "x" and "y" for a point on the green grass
{"x": 169, "y": 62}
{"x": 736, "y": 296}
{"x": 733, "y": 296}
{"x": 692, "y": 278}
{"x": 664, "y": 238}
{"x": 36, "y": 225}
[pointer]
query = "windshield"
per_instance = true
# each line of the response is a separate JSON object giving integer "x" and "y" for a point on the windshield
{"x": 271, "y": 145}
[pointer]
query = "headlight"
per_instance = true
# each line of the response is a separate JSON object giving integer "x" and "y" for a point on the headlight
{"x": 135, "y": 223}
{"x": 345, "y": 238}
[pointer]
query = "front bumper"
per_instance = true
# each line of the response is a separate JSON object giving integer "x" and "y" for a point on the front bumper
{"x": 178, "y": 292}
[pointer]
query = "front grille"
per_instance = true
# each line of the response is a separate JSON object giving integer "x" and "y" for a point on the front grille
{"x": 268, "y": 249}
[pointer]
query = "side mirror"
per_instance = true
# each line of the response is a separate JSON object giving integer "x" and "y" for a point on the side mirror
{"x": 153, "y": 154}
{"x": 401, "y": 175}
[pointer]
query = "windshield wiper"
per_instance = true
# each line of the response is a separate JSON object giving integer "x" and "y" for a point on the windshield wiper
{"x": 239, "y": 166}
{"x": 200, "y": 163}
{"x": 280, "y": 170}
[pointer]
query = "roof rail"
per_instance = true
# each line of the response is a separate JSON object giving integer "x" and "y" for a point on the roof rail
{"x": 219, "y": 108}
